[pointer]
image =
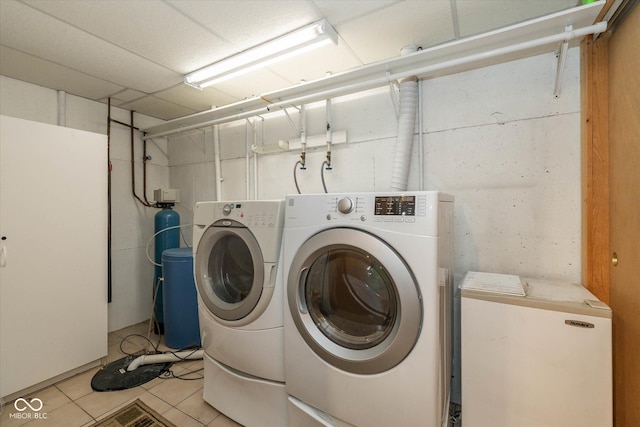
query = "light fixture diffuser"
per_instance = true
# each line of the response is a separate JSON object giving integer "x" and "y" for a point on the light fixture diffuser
{"x": 302, "y": 40}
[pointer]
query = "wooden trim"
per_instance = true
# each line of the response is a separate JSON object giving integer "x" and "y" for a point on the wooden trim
{"x": 595, "y": 165}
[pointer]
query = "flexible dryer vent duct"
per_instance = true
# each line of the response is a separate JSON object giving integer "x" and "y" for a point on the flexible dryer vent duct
{"x": 406, "y": 127}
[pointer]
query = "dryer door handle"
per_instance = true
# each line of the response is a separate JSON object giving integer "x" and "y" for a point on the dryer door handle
{"x": 3, "y": 256}
{"x": 302, "y": 304}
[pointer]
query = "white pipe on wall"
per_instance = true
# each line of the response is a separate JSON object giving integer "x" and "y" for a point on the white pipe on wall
{"x": 255, "y": 160}
{"x": 420, "y": 138}
{"x": 246, "y": 161}
{"x": 217, "y": 163}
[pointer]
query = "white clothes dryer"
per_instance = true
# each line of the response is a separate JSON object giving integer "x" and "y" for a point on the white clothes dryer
{"x": 367, "y": 324}
{"x": 236, "y": 248}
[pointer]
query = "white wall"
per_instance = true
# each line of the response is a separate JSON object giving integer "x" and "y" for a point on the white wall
{"x": 495, "y": 138}
{"x": 132, "y": 224}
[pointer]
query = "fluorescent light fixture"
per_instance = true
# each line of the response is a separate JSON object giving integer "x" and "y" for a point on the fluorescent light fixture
{"x": 302, "y": 40}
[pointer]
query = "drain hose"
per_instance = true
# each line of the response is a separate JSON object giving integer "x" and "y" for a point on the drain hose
{"x": 150, "y": 359}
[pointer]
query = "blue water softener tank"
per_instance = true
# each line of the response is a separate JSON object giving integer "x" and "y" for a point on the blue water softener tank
{"x": 164, "y": 219}
{"x": 181, "y": 326}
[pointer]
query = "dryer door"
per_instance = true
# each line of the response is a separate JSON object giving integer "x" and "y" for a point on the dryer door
{"x": 229, "y": 270}
{"x": 354, "y": 301}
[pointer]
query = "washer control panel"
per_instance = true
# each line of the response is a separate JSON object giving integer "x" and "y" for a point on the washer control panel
{"x": 250, "y": 213}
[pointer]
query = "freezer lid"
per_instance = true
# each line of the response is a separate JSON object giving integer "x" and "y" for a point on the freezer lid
{"x": 548, "y": 295}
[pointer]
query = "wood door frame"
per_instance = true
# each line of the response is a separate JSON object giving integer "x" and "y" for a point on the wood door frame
{"x": 595, "y": 165}
{"x": 594, "y": 82}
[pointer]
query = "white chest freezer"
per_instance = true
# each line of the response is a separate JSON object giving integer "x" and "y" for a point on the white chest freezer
{"x": 542, "y": 359}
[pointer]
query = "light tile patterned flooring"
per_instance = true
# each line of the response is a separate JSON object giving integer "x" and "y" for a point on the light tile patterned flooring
{"x": 72, "y": 402}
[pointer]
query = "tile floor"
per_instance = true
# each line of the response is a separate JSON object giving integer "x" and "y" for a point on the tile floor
{"x": 72, "y": 402}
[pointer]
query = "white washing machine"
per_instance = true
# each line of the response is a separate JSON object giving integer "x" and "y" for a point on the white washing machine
{"x": 368, "y": 308}
{"x": 240, "y": 305}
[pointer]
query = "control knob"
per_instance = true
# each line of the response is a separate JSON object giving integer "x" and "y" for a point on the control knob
{"x": 226, "y": 209}
{"x": 345, "y": 205}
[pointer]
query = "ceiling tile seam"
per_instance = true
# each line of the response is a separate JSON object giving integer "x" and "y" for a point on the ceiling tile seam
{"x": 203, "y": 26}
{"x": 101, "y": 39}
{"x": 157, "y": 94}
{"x": 69, "y": 68}
{"x": 159, "y": 99}
{"x": 349, "y": 49}
{"x": 336, "y": 26}
{"x": 362, "y": 15}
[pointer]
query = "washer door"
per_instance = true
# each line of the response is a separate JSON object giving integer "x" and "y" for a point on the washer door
{"x": 354, "y": 301}
{"x": 229, "y": 270}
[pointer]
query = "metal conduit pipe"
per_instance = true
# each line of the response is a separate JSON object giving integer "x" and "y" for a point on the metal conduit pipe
{"x": 109, "y": 258}
{"x": 406, "y": 128}
{"x": 145, "y": 159}
{"x": 133, "y": 168}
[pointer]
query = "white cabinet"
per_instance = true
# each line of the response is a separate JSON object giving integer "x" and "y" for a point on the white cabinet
{"x": 53, "y": 252}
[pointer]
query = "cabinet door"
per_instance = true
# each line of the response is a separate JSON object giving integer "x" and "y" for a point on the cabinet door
{"x": 53, "y": 252}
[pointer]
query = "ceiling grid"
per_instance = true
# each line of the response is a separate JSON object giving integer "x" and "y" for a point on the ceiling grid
{"x": 137, "y": 51}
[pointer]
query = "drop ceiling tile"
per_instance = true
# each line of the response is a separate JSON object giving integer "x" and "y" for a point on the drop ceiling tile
{"x": 252, "y": 84}
{"x": 338, "y": 11}
{"x": 159, "y": 108}
{"x": 34, "y": 70}
{"x": 479, "y": 16}
{"x": 127, "y": 95}
{"x": 198, "y": 99}
{"x": 78, "y": 50}
{"x": 179, "y": 49}
{"x": 383, "y": 34}
{"x": 315, "y": 64}
{"x": 248, "y": 23}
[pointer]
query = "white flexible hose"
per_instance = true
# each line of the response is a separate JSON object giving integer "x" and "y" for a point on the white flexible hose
{"x": 406, "y": 128}
{"x": 150, "y": 359}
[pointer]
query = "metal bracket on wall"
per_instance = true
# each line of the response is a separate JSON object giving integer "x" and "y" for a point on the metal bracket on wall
{"x": 562, "y": 59}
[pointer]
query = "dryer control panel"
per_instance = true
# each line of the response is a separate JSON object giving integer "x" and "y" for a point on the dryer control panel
{"x": 412, "y": 212}
{"x": 395, "y": 205}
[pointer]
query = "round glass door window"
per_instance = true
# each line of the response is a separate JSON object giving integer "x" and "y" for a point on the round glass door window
{"x": 354, "y": 300}
{"x": 229, "y": 271}
{"x": 351, "y": 298}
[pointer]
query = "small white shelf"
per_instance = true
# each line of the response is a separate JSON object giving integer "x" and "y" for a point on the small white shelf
{"x": 517, "y": 41}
